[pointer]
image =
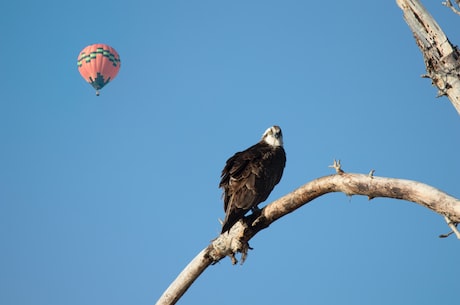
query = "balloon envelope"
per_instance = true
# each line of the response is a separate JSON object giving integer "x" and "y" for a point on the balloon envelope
{"x": 98, "y": 65}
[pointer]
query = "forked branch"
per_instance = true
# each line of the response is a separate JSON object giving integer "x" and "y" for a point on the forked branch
{"x": 228, "y": 244}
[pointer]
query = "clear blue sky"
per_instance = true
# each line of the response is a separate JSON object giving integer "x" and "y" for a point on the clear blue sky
{"x": 103, "y": 200}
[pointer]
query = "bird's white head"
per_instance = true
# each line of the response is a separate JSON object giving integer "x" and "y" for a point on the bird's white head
{"x": 273, "y": 136}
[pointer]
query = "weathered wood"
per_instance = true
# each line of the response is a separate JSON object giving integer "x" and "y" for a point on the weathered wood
{"x": 185, "y": 279}
{"x": 236, "y": 241}
{"x": 449, "y": 4}
{"x": 440, "y": 56}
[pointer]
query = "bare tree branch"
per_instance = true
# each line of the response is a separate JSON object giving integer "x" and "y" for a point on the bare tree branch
{"x": 440, "y": 56}
{"x": 453, "y": 226}
{"x": 228, "y": 244}
{"x": 185, "y": 279}
{"x": 449, "y": 4}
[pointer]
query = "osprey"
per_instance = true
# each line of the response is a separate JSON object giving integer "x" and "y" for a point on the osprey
{"x": 249, "y": 176}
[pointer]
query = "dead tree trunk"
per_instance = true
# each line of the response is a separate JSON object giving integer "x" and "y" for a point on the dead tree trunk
{"x": 228, "y": 244}
{"x": 440, "y": 56}
{"x": 442, "y": 65}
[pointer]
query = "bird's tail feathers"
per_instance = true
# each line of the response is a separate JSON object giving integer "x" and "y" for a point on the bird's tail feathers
{"x": 231, "y": 218}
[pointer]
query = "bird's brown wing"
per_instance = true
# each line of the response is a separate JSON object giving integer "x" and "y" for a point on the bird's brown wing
{"x": 239, "y": 178}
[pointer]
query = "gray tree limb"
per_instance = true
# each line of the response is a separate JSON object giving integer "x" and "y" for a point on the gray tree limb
{"x": 228, "y": 244}
{"x": 440, "y": 56}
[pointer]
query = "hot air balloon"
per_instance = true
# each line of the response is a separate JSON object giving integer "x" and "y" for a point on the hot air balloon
{"x": 98, "y": 65}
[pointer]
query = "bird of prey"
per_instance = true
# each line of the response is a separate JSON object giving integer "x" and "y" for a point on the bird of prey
{"x": 249, "y": 176}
